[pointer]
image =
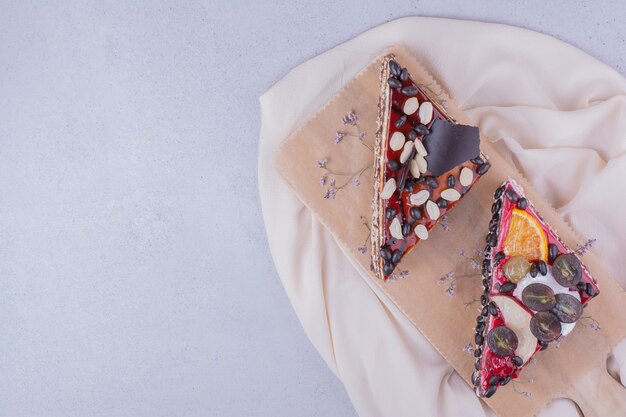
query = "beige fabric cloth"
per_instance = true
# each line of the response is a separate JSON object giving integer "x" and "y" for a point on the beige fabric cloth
{"x": 557, "y": 113}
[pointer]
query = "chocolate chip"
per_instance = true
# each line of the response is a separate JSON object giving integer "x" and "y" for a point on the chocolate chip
{"x": 396, "y": 256}
{"x": 494, "y": 379}
{"x": 498, "y": 192}
{"x": 493, "y": 310}
{"x": 511, "y": 195}
{"x": 451, "y": 181}
{"x": 485, "y": 283}
{"x": 479, "y": 339}
{"x": 409, "y": 90}
{"x": 522, "y": 203}
{"x": 480, "y": 328}
{"x": 534, "y": 270}
{"x": 394, "y": 165}
{"x": 421, "y": 129}
{"x": 499, "y": 256}
{"x": 394, "y": 82}
{"x": 490, "y": 391}
{"x": 478, "y": 160}
{"x": 475, "y": 378}
{"x": 478, "y": 352}
{"x": 495, "y": 207}
{"x": 432, "y": 182}
{"x": 416, "y": 213}
{"x": 553, "y": 251}
{"x": 404, "y": 75}
{"x": 483, "y": 300}
{"x": 485, "y": 311}
{"x": 507, "y": 287}
{"x": 385, "y": 254}
{"x": 477, "y": 365}
{"x": 492, "y": 239}
{"x": 517, "y": 361}
{"x": 387, "y": 268}
{"x": 442, "y": 202}
{"x": 543, "y": 268}
{"x": 411, "y": 135}
{"x": 480, "y": 319}
{"x": 483, "y": 168}
{"x": 406, "y": 229}
{"x": 505, "y": 380}
{"x": 390, "y": 213}
{"x": 401, "y": 121}
{"x": 394, "y": 67}
{"x": 493, "y": 226}
{"x": 591, "y": 292}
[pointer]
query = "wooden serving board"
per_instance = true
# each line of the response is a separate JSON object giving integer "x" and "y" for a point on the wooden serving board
{"x": 576, "y": 369}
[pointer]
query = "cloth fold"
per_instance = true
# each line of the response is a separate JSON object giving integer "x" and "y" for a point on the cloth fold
{"x": 558, "y": 114}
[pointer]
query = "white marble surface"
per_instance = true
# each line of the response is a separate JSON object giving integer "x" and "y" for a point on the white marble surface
{"x": 135, "y": 278}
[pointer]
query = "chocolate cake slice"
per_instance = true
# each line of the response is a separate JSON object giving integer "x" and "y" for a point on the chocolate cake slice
{"x": 424, "y": 164}
{"x": 535, "y": 289}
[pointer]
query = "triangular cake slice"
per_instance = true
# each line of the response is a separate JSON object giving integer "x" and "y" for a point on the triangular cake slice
{"x": 424, "y": 164}
{"x": 535, "y": 289}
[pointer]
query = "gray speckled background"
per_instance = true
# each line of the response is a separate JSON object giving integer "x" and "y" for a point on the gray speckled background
{"x": 135, "y": 278}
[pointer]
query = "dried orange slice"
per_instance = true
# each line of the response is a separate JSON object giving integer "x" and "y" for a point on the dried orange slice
{"x": 525, "y": 237}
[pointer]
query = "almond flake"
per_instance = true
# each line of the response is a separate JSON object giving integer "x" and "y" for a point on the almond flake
{"x": 421, "y": 163}
{"x": 421, "y": 231}
{"x": 388, "y": 189}
{"x": 397, "y": 141}
{"x": 466, "y": 176}
{"x": 419, "y": 198}
{"x": 414, "y": 168}
{"x": 450, "y": 194}
{"x": 411, "y": 106}
{"x": 395, "y": 228}
{"x": 432, "y": 210}
{"x": 426, "y": 112}
{"x": 406, "y": 152}
{"x": 419, "y": 147}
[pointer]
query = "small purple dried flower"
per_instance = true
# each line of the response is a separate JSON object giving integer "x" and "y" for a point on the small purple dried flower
{"x": 356, "y": 182}
{"x": 581, "y": 249}
{"x": 321, "y": 163}
{"x": 350, "y": 118}
{"x": 332, "y": 182}
{"x": 339, "y": 137}
{"x": 330, "y": 194}
{"x": 323, "y": 180}
{"x": 362, "y": 249}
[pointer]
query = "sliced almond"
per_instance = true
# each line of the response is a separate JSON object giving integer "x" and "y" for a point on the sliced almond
{"x": 419, "y": 198}
{"x": 421, "y": 163}
{"x": 406, "y": 152}
{"x": 450, "y": 194}
{"x": 397, "y": 141}
{"x": 426, "y": 112}
{"x": 466, "y": 176}
{"x": 432, "y": 210}
{"x": 395, "y": 228}
{"x": 419, "y": 147}
{"x": 414, "y": 168}
{"x": 388, "y": 189}
{"x": 421, "y": 231}
{"x": 411, "y": 106}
